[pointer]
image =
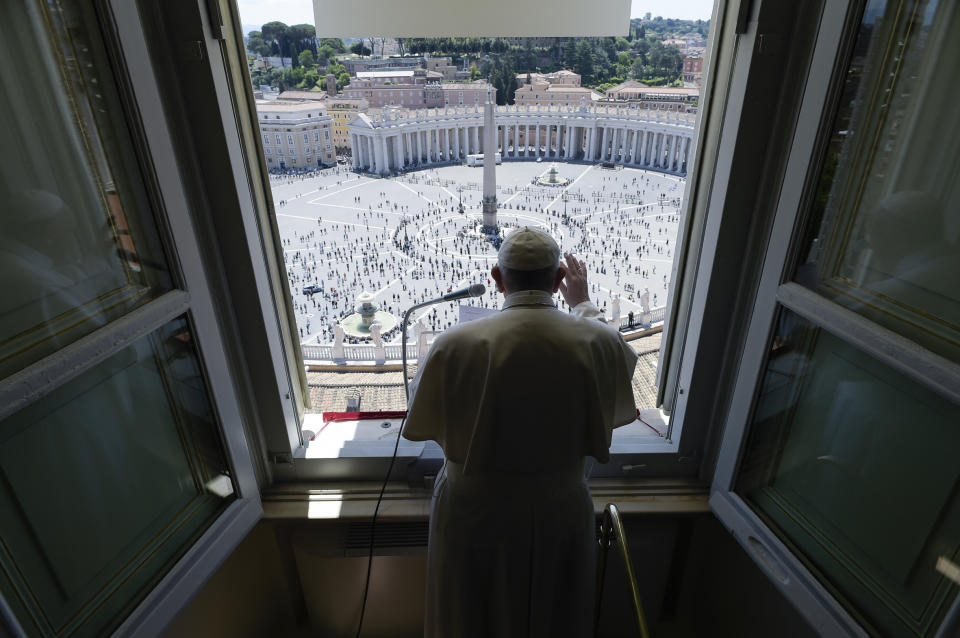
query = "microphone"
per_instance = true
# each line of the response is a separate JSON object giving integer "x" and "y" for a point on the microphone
{"x": 474, "y": 290}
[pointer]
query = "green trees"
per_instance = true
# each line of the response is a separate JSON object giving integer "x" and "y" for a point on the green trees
{"x": 358, "y": 48}
{"x": 307, "y": 59}
{"x": 501, "y": 74}
{"x": 277, "y": 36}
{"x": 286, "y": 41}
{"x": 256, "y": 43}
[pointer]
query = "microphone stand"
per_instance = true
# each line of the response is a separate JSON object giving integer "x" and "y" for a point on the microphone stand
{"x": 403, "y": 342}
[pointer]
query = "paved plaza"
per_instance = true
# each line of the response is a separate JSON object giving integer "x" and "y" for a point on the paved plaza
{"x": 404, "y": 240}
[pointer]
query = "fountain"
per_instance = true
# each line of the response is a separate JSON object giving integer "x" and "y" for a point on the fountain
{"x": 552, "y": 178}
{"x": 368, "y": 318}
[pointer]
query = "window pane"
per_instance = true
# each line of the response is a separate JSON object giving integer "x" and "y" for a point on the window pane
{"x": 106, "y": 480}
{"x": 884, "y": 235}
{"x": 77, "y": 247}
{"x": 855, "y": 467}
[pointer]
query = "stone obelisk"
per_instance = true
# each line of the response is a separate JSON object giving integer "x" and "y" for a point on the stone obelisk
{"x": 489, "y": 166}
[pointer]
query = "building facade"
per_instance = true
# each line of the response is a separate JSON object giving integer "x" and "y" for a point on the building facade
{"x": 540, "y": 93}
{"x": 357, "y": 65}
{"x": 342, "y": 110}
{"x": 564, "y": 77}
{"x": 398, "y": 139}
{"x": 444, "y": 66}
{"x": 408, "y": 90}
{"x": 662, "y": 98}
{"x": 294, "y": 136}
{"x": 692, "y": 69}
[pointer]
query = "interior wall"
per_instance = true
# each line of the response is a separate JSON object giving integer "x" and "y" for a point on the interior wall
{"x": 248, "y": 597}
{"x": 296, "y": 579}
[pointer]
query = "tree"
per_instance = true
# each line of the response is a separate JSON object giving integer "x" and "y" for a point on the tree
{"x": 343, "y": 80}
{"x": 334, "y": 43}
{"x": 583, "y": 60}
{"x": 324, "y": 54}
{"x": 474, "y": 71}
{"x": 277, "y": 35}
{"x": 256, "y": 44}
{"x": 302, "y": 38}
{"x": 310, "y": 78}
{"x": 359, "y": 49}
{"x": 307, "y": 60}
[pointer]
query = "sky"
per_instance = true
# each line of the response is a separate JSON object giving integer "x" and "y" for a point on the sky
{"x": 254, "y": 13}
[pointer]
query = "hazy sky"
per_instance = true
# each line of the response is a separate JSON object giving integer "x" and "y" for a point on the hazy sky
{"x": 257, "y": 12}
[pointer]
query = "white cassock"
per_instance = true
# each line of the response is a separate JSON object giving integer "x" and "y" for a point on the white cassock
{"x": 517, "y": 401}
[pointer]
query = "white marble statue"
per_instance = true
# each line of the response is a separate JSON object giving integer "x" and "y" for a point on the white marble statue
{"x": 645, "y": 300}
{"x": 615, "y": 309}
{"x": 338, "y": 349}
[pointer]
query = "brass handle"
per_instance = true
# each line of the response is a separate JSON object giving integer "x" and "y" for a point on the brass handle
{"x": 611, "y": 528}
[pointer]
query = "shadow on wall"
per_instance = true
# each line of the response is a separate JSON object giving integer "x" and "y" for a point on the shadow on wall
{"x": 293, "y": 579}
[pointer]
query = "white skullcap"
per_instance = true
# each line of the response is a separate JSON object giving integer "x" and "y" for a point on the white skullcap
{"x": 528, "y": 249}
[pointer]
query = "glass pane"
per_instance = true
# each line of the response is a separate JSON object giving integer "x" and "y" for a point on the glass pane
{"x": 855, "y": 467}
{"x": 884, "y": 238}
{"x": 78, "y": 247}
{"x": 106, "y": 481}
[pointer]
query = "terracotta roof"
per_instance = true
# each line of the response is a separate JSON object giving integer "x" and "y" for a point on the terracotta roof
{"x": 329, "y": 391}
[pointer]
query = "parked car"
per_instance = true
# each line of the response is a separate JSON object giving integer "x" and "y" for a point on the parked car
{"x": 311, "y": 289}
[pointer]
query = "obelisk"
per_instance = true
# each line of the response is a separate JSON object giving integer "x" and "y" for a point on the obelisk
{"x": 489, "y": 166}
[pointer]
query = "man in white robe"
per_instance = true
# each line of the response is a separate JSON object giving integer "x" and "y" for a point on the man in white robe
{"x": 517, "y": 401}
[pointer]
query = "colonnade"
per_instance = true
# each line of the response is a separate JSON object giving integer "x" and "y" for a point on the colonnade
{"x": 387, "y": 145}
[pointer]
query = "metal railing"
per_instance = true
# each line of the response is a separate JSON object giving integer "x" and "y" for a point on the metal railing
{"x": 611, "y": 529}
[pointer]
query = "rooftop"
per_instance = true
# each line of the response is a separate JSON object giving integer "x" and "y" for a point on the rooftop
{"x": 384, "y": 74}
{"x": 383, "y": 391}
{"x": 302, "y": 95}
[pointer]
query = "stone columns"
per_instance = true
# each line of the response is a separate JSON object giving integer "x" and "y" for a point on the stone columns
{"x": 570, "y": 143}
{"x": 429, "y": 135}
{"x": 536, "y": 141}
{"x": 355, "y": 152}
{"x": 474, "y": 130}
{"x": 603, "y": 143}
{"x": 398, "y": 151}
{"x": 636, "y": 146}
{"x": 378, "y": 155}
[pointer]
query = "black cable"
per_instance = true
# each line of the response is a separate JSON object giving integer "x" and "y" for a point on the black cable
{"x": 393, "y": 460}
{"x": 373, "y": 527}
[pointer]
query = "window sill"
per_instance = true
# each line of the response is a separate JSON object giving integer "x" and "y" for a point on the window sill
{"x": 357, "y": 500}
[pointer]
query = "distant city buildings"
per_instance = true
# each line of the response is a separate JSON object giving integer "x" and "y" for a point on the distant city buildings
{"x": 662, "y": 98}
{"x": 413, "y": 88}
{"x": 357, "y": 65}
{"x": 557, "y": 88}
{"x": 342, "y": 110}
{"x": 554, "y": 94}
{"x": 692, "y": 70}
{"x": 564, "y": 77}
{"x": 296, "y": 134}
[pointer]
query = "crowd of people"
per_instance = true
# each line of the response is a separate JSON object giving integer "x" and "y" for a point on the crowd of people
{"x": 414, "y": 237}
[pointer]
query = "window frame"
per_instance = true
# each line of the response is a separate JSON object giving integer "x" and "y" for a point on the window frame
{"x": 832, "y": 49}
{"x": 679, "y": 455}
{"x": 689, "y": 450}
{"x": 192, "y": 298}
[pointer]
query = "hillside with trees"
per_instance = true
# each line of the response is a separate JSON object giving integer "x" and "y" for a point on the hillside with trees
{"x": 601, "y": 62}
